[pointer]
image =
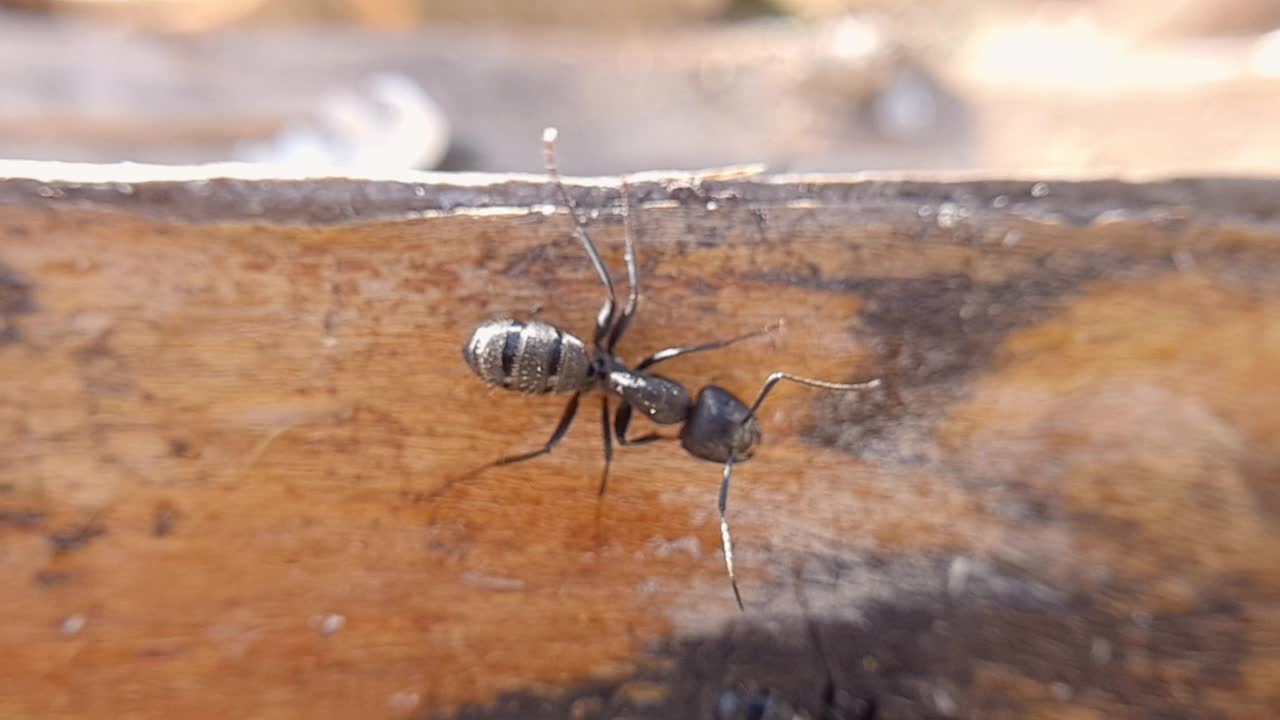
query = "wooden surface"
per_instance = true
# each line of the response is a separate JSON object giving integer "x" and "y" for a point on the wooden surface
{"x": 225, "y": 407}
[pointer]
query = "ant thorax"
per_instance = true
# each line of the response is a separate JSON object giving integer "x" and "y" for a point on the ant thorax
{"x": 662, "y": 400}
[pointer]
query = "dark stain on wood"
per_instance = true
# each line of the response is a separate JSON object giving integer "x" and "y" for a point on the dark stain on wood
{"x": 181, "y": 448}
{"x": 940, "y": 654}
{"x": 1261, "y": 472}
{"x": 22, "y": 519}
{"x": 75, "y": 537}
{"x": 104, "y": 371}
{"x": 16, "y": 298}
{"x": 49, "y": 579}
{"x": 163, "y": 519}
{"x": 931, "y": 335}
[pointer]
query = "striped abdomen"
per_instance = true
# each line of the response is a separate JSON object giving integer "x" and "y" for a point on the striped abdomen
{"x": 528, "y": 357}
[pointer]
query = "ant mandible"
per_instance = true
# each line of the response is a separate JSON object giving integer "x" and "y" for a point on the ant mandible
{"x": 534, "y": 357}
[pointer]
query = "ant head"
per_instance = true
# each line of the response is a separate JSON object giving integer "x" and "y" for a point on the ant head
{"x": 716, "y": 427}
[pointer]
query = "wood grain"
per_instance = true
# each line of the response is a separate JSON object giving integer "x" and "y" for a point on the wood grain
{"x": 227, "y": 407}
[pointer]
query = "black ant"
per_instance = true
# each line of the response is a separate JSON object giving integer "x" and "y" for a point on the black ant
{"x": 534, "y": 357}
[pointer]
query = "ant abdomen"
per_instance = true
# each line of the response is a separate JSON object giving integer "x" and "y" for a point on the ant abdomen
{"x": 528, "y": 357}
{"x": 718, "y": 424}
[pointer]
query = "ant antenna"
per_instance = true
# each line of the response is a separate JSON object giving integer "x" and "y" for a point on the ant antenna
{"x": 726, "y": 538}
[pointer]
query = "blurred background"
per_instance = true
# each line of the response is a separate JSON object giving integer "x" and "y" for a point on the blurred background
{"x": 379, "y": 86}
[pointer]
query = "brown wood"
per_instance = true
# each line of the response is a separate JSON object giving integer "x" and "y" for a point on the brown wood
{"x": 226, "y": 408}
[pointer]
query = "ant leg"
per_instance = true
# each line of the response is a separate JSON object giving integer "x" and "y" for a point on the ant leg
{"x": 604, "y": 319}
{"x": 726, "y": 540}
{"x": 608, "y": 442}
{"x": 562, "y": 427}
{"x": 675, "y": 352}
{"x": 777, "y": 377}
{"x": 622, "y": 421}
{"x": 633, "y": 274}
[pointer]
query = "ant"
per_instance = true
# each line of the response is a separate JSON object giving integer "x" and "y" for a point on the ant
{"x": 536, "y": 358}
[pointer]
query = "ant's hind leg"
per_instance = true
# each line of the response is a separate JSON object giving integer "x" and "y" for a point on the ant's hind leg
{"x": 562, "y": 427}
{"x": 608, "y": 443}
{"x": 726, "y": 540}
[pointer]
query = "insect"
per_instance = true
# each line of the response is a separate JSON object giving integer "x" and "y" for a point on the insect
{"x": 535, "y": 357}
